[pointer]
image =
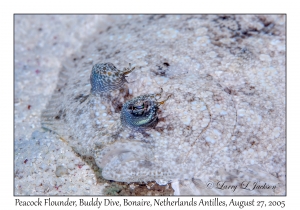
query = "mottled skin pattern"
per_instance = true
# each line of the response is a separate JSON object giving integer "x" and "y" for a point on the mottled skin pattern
{"x": 224, "y": 122}
{"x": 106, "y": 77}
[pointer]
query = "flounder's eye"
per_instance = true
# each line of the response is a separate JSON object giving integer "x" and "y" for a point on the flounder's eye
{"x": 106, "y": 77}
{"x": 141, "y": 113}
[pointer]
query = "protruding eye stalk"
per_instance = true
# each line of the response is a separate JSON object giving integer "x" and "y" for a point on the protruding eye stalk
{"x": 159, "y": 94}
{"x": 106, "y": 77}
{"x": 162, "y": 102}
{"x": 128, "y": 70}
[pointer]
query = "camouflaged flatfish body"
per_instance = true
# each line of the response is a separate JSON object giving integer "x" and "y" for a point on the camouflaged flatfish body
{"x": 225, "y": 120}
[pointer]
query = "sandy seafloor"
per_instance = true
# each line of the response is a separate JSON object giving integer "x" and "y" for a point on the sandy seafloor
{"x": 44, "y": 43}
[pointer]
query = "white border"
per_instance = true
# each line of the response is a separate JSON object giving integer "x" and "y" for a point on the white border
{"x": 153, "y": 6}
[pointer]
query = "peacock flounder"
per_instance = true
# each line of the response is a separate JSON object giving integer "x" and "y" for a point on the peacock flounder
{"x": 224, "y": 121}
